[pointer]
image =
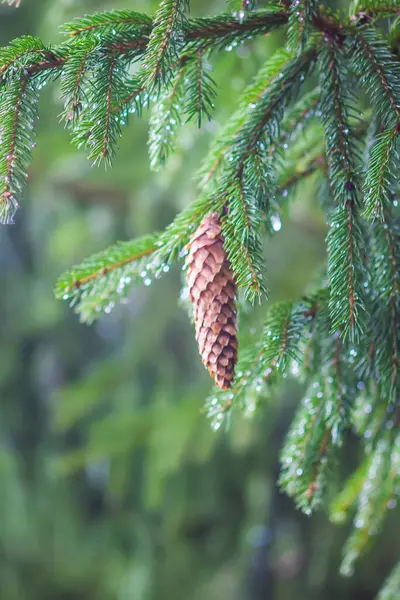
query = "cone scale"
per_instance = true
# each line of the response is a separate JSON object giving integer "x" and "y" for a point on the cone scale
{"x": 212, "y": 292}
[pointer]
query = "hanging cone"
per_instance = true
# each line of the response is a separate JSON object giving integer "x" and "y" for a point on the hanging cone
{"x": 212, "y": 293}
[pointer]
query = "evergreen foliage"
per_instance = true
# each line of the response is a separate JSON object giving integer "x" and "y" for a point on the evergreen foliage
{"x": 343, "y": 340}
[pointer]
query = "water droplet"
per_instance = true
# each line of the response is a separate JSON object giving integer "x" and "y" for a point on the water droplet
{"x": 359, "y": 523}
{"x": 276, "y": 222}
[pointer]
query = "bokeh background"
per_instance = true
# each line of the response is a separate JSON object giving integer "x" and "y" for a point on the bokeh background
{"x": 113, "y": 485}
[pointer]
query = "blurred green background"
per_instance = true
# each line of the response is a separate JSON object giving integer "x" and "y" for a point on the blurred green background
{"x": 113, "y": 484}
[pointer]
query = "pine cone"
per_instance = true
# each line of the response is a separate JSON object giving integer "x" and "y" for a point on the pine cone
{"x": 212, "y": 293}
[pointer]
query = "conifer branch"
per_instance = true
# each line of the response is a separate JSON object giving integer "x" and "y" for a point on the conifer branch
{"x": 308, "y": 452}
{"x": 18, "y": 112}
{"x": 372, "y": 505}
{"x": 203, "y": 32}
{"x": 347, "y": 497}
{"x": 382, "y": 163}
{"x": 345, "y": 241}
{"x": 390, "y": 590}
{"x": 296, "y": 116}
{"x": 105, "y": 21}
{"x": 219, "y": 32}
{"x": 363, "y": 11}
{"x": 244, "y": 252}
{"x": 201, "y": 89}
{"x": 386, "y": 278}
{"x": 301, "y": 15}
{"x": 165, "y": 120}
{"x": 72, "y": 79}
{"x": 166, "y": 42}
{"x": 268, "y": 105}
{"x": 250, "y": 97}
{"x": 103, "y": 279}
{"x": 263, "y": 364}
{"x": 379, "y": 73}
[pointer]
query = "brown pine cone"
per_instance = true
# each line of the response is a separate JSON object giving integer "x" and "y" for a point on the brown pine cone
{"x": 212, "y": 293}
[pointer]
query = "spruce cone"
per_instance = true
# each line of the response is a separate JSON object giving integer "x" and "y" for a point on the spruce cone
{"x": 212, "y": 293}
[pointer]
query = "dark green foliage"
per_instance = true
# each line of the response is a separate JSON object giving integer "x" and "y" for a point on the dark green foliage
{"x": 18, "y": 113}
{"x": 99, "y": 129}
{"x": 305, "y": 471}
{"x": 104, "y": 23}
{"x": 165, "y": 120}
{"x": 105, "y": 278}
{"x": 301, "y": 14}
{"x": 268, "y": 360}
{"x": 366, "y": 10}
{"x": 200, "y": 88}
{"x": 242, "y": 228}
{"x": 166, "y": 41}
{"x": 345, "y": 239}
{"x": 346, "y": 270}
{"x": 386, "y": 280}
{"x": 377, "y": 495}
{"x": 342, "y": 341}
{"x": 227, "y": 31}
{"x": 384, "y": 159}
{"x": 190, "y": 94}
{"x": 379, "y": 73}
{"x": 391, "y": 588}
{"x": 22, "y": 52}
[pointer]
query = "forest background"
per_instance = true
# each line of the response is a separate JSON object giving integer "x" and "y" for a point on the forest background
{"x": 113, "y": 483}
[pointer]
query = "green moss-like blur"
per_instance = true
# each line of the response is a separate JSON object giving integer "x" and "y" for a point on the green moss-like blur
{"x": 112, "y": 484}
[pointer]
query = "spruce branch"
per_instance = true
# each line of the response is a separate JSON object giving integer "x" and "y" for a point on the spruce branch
{"x": 345, "y": 239}
{"x": 18, "y": 113}
{"x": 198, "y": 31}
{"x": 308, "y": 451}
{"x": 19, "y": 54}
{"x": 104, "y": 279}
{"x": 73, "y": 77}
{"x": 391, "y": 587}
{"x": 346, "y": 270}
{"x": 386, "y": 280}
{"x": 258, "y": 117}
{"x": 245, "y": 252}
{"x": 265, "y": 105}
{"x": 165, "y": 120}
{"x": 301, "y": 14}
{"x": 379, "y": 73}
{"x": 347, "y": 497}
{"x": 201, "y": 89}
{"x": 219, "y": 149}
{"x": 364, "y": 11}
{"x": 105, "y": 22}
{"x": 166, "y": 42}
{"x": 376, "y": 493}
{"x": 263, "y": 364}
{"x": 225, "y": 31}
{"x": 383, "y": 160}
{"x": 99, "y": 128}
